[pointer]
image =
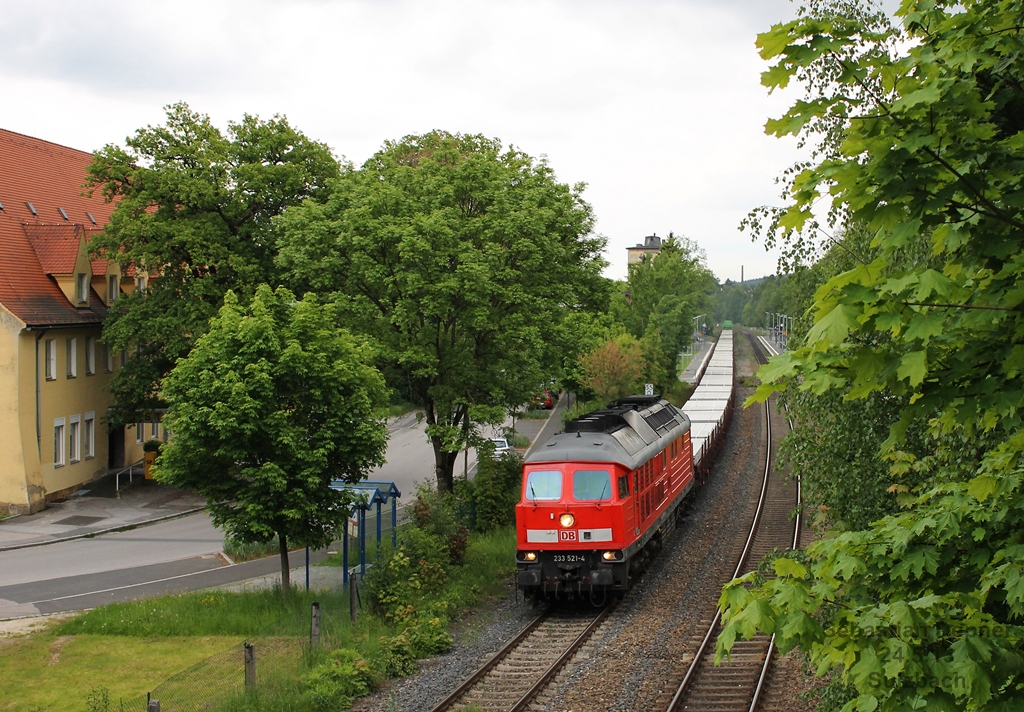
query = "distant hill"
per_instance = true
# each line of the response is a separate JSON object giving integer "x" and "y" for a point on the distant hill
{"x": 747, "y": 282}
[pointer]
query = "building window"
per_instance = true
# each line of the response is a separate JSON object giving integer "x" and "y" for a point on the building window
{"x": 58, "y": 442}
{"x": 82, "y": 291}
{"x": 140, "y": 284}
{"x": 154, "y": 430}
{"x": 140, "y": 432}
{"x": 51, "y": 359}
{"x": 124, "y": 358}
{"x": 72, "y": 358}
{"x": 90, "y": 355}
{"x": 112, "y": 288}
{"x": 89, "y": 435}
{"x": 74, "y": 438}
{"x": 108, "y": 358}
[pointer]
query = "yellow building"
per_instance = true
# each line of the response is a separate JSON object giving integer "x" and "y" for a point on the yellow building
{"x": 54, "y": 372}
{"x": 651, "y": 246}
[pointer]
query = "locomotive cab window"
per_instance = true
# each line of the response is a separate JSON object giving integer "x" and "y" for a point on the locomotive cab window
{"x": 591, "y": 485}
{"x": 544, "y": 485}
{"x": 623, "y": 486}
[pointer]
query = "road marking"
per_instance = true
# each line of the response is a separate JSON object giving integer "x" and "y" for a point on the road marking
{"x": 121, "y": 588}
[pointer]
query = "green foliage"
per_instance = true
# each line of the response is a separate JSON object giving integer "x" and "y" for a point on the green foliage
{"x": 443, "y": 515}
{"x": 203, "y": 613}
{"x": 239, "y": 551}
{"x": 194, "y": 206}
{"x": 614, "y": 369}
{"x": 339, "y": 681}
{"x": 496, "y": 490}
{"x": 922, "y": 147}
{"x": 662, "y": 296}
{"x": 271, "y": 405}
{"x": 404, "y": 575}
{"x": 463, "y": 260}
{"x": 834, "y": 449}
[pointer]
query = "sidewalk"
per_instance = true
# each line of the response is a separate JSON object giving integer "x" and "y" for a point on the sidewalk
{"x": 689, "y": 374}
{"x": 96, "y": 508}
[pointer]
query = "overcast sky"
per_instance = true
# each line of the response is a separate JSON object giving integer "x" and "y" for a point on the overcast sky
{"x": 657, "y": 106}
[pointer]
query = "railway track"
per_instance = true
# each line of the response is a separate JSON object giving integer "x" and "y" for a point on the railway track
{"x": 510, "y": 680}
{"x": 737, "y": 684}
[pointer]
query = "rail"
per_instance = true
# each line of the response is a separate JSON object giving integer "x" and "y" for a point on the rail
{"x": 520, "y": 701}
{"x": 700, "y": 656}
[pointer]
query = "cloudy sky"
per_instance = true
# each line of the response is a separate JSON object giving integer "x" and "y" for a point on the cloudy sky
{"x": 656, "y": 105}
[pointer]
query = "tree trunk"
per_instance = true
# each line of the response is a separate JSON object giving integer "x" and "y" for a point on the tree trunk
{"x": 286, "y": 581}
{"x": 444, "y": 466}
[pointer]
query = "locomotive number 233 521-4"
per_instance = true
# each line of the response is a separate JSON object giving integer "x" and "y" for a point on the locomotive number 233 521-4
{"x": 569, "y": 558}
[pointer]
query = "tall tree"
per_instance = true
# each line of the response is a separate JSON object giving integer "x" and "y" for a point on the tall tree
{"x": 922, "y": 609}
{"x": 615, "y": 368}
{"x": 194, "y": 207}
{"x": 270, "y": 405}
{"x": 662, "y": 296}
{"x": 461, "y": 259}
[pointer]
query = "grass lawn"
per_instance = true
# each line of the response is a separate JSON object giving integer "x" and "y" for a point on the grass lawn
{"x": 133, "y": 648}
{"x": 46, "y": 671}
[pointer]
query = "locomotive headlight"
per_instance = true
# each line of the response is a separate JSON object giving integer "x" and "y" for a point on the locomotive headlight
{"x": 567, "y": 520}
{"x": 530, "y": 556}
{"x": 611, "y": 555}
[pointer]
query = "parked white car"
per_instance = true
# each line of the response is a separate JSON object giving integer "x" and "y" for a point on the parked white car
{"x": 501, "y": 446}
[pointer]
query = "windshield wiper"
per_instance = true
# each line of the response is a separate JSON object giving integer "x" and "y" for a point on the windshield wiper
{"x": 533, "y": 495}
{"x": 603, "y": 490}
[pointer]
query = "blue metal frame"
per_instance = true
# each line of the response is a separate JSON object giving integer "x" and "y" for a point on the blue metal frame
{"x": 368, "y": 493}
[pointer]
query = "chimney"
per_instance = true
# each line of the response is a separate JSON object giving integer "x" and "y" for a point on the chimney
{"x": 741, "y": 274}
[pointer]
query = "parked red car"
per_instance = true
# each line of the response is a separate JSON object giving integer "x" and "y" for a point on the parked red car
{"x": 545, "y": 399}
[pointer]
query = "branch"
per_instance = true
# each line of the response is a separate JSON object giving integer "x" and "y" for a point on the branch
{"x": 999, "y": 214}
{"x": 959, "y": 306}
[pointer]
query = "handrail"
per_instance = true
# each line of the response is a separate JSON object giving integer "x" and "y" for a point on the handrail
{"x": 130, "y": 469}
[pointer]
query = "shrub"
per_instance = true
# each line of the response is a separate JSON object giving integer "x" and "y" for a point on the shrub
{"x": 334, "y": 684}
{"x": 441, "y": 515}
{"x": 496, "y": 491}
{"x": 403, "y": 575}
{"x": 398, "y": 658}
{"x": 429, "y": 635}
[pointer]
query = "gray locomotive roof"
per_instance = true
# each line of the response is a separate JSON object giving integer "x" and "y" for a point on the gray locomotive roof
{"x": 642, "y": 435}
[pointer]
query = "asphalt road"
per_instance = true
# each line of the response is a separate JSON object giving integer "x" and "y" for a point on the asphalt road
{"x": 169, "y": 557}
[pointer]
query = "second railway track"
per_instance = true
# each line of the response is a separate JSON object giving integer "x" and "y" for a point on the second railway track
{"x": 510, "y": 680}
{"x": 736, "y": 685}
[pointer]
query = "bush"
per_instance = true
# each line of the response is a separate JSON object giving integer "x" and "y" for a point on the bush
{"x": 441, "y": 515}
{"x": 404, "y": 575}
{"x": 336, "y": 683}
{"x": 239, "y": 551}
{"x": 496, "y": 491}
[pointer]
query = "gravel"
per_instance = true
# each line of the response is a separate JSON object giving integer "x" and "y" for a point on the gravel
{"x": 639, "y": 656}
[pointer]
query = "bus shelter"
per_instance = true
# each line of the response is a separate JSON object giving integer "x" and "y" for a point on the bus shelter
{"x": 368, "y": 493}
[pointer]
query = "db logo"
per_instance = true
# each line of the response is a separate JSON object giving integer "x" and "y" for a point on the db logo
{"x": 567, "y": 535}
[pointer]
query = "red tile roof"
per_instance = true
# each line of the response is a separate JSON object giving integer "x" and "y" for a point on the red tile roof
{"x": 34, "y": 246}
{"x": 56, "y": 246}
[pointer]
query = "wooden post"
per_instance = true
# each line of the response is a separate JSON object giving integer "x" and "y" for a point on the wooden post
{"x": 314, "y": 626}
{"x": 353, "y": 596}
{"x": 153, "y": 706}
{"x": 250, "y": 665}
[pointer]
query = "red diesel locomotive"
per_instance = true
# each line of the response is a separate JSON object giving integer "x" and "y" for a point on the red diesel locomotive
{"x": 597, "y": 499}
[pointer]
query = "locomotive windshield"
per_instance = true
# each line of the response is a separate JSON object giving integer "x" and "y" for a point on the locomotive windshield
{"x": 544, "y": 485}
{"x": 591, "y": 485}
